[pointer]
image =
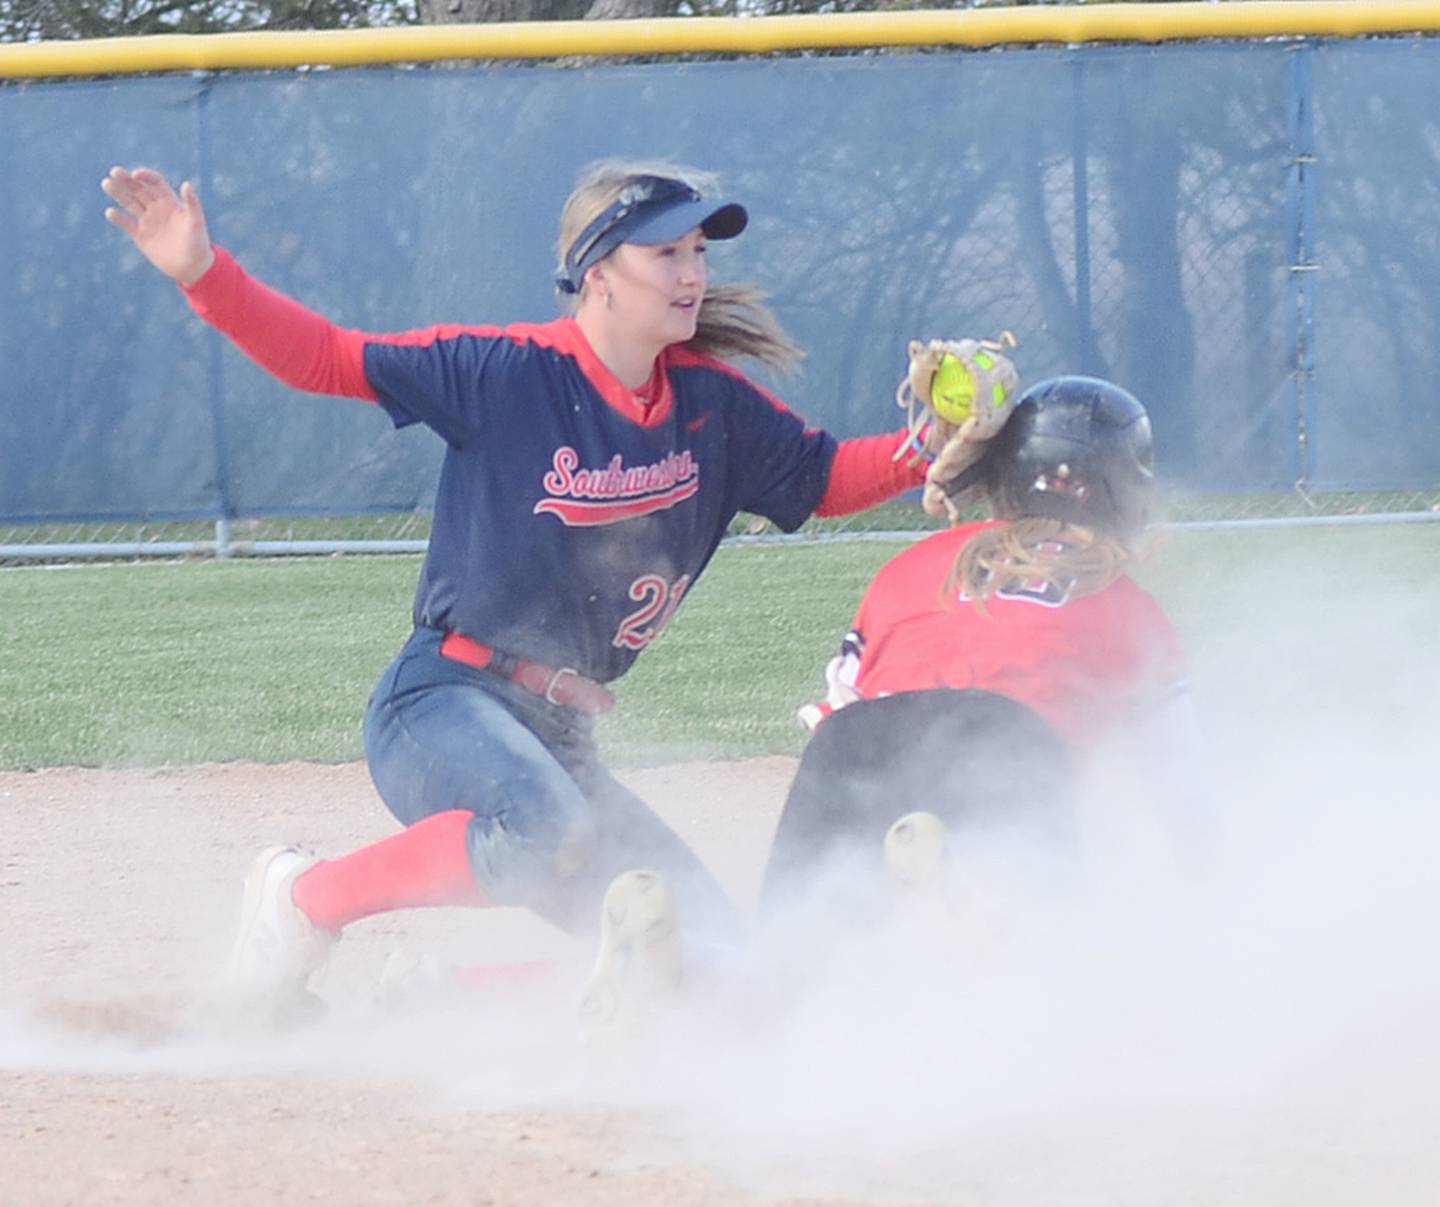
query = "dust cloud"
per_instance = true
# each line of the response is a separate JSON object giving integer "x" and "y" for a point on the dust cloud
{"x": 1137, "y": 1025}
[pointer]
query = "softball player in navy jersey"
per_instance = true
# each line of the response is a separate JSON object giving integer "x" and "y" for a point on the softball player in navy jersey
{"x": 592, "y": 466}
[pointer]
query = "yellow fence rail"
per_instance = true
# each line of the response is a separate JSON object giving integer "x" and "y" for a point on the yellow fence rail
{"x": 1041, "y": 24}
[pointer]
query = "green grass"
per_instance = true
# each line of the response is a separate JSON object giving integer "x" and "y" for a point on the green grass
{"x": 179, "y": 663}
{"x": 175, "y": 663}
{"x": 171, "y": 663}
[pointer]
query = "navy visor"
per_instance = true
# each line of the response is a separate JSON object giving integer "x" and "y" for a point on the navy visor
{"x": 651, "y": 209}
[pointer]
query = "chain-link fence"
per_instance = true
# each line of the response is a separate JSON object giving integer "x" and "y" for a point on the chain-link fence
{"x": 408, "y": 532}
{"x": 1237, "y": 232}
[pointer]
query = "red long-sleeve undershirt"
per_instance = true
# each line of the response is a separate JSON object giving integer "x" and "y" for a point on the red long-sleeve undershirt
{"x": 865, "y": 472}
{"x": 307, "y": 351}
{"x": 303, "y": 349}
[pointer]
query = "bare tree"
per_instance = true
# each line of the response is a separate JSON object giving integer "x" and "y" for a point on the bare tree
{"x": 34, "y": 20}
{"x": 55, "y": 20}
{"x": 441, "y": 12}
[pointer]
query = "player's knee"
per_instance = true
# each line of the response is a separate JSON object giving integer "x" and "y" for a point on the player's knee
{"x": 524, "y": 842}
{"x": 575, "y": 846}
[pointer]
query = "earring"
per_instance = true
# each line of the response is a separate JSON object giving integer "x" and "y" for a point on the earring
{"x": 609, "y": 299}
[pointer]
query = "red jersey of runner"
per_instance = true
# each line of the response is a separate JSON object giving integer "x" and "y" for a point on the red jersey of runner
{"x": 1081, "y": 663}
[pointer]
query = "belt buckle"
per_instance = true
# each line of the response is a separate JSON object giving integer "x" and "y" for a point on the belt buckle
{"x": 553, "y": 685}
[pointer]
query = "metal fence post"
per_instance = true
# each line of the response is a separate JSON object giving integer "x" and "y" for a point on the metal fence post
{"x": 215, "y": 365}
{"x": 1301, "y": 214}
{"x": 1080, "y": 200}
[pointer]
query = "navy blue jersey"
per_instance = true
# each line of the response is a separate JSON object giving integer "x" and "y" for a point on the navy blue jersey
{"x": 570, "y": 518}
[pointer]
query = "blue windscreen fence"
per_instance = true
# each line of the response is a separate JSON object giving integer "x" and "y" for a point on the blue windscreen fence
{"x": 1243, "y": 234}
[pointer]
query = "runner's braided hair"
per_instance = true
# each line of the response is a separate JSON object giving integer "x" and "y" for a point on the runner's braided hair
{"x": 733, "y": 321}
{"x": 1070, "y": 559}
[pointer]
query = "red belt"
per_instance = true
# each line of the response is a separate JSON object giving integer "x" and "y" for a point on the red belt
{"x": 564, "y": 686}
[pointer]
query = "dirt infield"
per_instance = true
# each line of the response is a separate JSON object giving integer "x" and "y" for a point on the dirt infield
{"x": 118, "y": 890}
{"x": 1119, "y": 1074}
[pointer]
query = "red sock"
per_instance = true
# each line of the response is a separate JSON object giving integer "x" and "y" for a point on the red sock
{"x": 426, "y": 864}
{"x": 485, "y": 978}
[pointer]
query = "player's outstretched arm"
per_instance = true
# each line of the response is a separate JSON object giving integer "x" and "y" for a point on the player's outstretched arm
{"x": 168, "y": 227}
{"x": 300, "y": 347}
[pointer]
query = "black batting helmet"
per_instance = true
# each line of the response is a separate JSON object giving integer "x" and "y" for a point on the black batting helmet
{"x": 1076, "y": 449}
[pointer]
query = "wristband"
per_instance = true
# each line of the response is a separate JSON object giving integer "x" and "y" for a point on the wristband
{"x": 915, "y": 442}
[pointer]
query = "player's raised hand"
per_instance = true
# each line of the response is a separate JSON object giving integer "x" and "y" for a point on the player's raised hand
{"x": 168, "y": 227}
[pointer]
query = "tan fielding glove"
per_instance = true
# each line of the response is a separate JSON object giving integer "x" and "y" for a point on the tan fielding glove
{"x": 957, "y": 394}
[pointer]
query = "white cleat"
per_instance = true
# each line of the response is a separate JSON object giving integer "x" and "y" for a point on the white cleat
{"x": 277, "y": 948}
{"x": 916, "y": 848}
{"x": 938, "y": 914}
{"x": 410, "y": 977}
{"x": 639, "y": 962}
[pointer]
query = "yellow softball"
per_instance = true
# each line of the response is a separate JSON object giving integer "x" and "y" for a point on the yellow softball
{"x": 952, "y": 390}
